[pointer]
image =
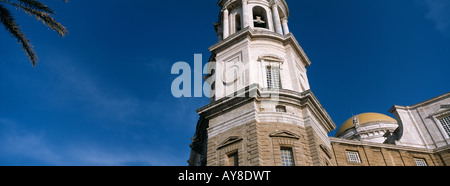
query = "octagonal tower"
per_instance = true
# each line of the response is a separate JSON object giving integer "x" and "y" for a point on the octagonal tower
{"x": 262, "y": 111}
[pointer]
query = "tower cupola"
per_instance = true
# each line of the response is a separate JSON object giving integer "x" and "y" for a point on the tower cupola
{"x": 236, "y": 15}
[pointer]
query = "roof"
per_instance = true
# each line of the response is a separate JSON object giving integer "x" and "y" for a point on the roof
{"x": 364, "y": 119}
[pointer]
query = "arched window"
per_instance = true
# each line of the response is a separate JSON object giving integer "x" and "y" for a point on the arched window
{"x": 237, "y": 22}
{"x": 260, "y": 17}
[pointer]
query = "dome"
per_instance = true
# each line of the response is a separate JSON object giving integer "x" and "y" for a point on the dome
{"x": 364, "y": 119}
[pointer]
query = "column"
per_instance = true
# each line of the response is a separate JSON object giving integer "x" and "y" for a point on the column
{"x": 245, "y": 13}
{"x": 285, "y": 25}
{"x": 226, "y": 25}
{"x": 232, "y": 24}
{"x": 276, "y": 18}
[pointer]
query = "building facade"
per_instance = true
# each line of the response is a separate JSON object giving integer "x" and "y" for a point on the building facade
{"x": 419, "y": 136}
{"x": 263, "y": 113}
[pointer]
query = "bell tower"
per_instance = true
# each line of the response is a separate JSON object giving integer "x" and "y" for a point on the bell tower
{"x": 262, "y": 111}
{"x": 255, "y": 41}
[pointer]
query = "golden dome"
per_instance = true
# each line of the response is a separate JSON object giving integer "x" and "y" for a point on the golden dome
{"x": 364, "y": 119}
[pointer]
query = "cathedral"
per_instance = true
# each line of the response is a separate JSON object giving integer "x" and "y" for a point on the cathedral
{"x": 263, "y": 113}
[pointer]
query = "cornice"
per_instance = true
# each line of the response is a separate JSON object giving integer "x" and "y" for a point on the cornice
{"x": 229, "y": 102}
{"x": 421, "y": 104}
{"x": 379, "y": 145}
{"x": 313, "y": 103}
{"x": 249, "y": 33}
{"x": 255, "y": 93}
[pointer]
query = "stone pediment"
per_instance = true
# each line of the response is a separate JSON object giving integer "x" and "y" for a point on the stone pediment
{"x": 285, "y": 134}
{"x": 271, "y": 58}
{"x": 443, "y": 109}
{"x": 229, "y": 141}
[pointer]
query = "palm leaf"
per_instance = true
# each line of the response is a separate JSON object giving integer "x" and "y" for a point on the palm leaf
{"x": 46, "y": 18}
{"x": 11, "y": 26}
{"x": 32, "y": 7}
{"x": 34, "y": 4}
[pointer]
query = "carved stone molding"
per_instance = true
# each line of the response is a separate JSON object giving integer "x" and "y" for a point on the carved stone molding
{"x": 229, "y": 141}
{"x": 285, "y": 134}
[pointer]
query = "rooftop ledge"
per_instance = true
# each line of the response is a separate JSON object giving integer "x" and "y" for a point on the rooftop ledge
{"x": 255, "y": 92}
{"x": 262, "y": 33}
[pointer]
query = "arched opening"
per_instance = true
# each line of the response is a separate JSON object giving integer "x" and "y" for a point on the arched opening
{"x": 238, "y": 25}
{"x": 260, "y": 17}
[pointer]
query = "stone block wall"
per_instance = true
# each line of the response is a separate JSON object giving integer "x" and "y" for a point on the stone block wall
{"x": 372, "y": 154}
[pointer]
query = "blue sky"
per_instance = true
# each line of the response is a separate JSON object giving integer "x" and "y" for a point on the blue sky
{"x": 101, "y": 95}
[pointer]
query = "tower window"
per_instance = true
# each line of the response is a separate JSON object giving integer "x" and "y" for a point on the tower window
{"x": 260, "y": 17}
{"x": 273, "y": 77}
{"x": 420, "y": 162}
{"x": 280, "y": 108}
{"x": 446, "y": 124}
{"x": 287, "y": 158}
{"x": 233, "y": 159}
{"x": 353, "y": 157}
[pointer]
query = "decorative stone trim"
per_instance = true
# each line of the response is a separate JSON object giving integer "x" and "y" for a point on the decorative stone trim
{"x": 326, "y": 151}
{"x": 285, "y": 134}
{"x": 229, "y": 141}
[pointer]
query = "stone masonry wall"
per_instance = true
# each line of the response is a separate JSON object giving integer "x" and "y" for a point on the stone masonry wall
{"x": 383, "y": 156}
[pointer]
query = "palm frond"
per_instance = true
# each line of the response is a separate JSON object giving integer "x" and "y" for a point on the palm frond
{"x": 33, "y": 4}
{"x": 37, "y": 5}
{"x": 46, "y": 18}
{"x": 11, "y": 26}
